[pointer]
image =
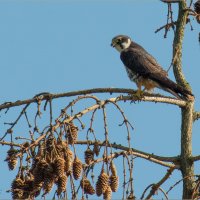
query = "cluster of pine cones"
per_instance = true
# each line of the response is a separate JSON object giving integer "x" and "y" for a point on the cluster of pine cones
{"x": 107, "y": 184}
{"x": 53, "y": 163}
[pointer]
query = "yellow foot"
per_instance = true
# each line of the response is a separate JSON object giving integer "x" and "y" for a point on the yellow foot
{"x": 137, "y": 96}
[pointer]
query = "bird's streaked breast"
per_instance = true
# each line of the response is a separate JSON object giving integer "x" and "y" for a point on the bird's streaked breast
{"x": 132, "y": 76}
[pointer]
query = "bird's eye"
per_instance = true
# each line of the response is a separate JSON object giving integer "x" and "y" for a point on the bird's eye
{"x": 119, "y": 41}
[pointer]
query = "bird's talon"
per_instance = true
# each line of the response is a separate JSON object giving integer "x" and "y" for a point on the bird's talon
{"x": 139, "y": 94}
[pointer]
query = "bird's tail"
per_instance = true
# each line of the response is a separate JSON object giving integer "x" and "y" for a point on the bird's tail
{"x": 175, "y": 89}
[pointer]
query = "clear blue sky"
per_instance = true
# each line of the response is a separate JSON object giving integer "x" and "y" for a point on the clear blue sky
{"x": 59, "y": 46}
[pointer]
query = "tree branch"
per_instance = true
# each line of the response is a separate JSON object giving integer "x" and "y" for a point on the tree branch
{"x": 151, "y": 157}
{"x": 177, "y": 45}
{"x": 47, "y": 96}
{"x": 196, "y": 116}
{"x": 195, "y": 158}
{"x": 10, "y": 144}
{"x": 157, "y": 185}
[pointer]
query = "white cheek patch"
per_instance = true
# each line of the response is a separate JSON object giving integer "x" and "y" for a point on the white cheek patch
{"x": 126, "y": 44}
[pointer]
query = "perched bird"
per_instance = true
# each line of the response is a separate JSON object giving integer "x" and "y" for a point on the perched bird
{"x": 143, "y": 69}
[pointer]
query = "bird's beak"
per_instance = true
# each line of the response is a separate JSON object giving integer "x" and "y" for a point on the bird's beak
{"x": 112, "y": 45}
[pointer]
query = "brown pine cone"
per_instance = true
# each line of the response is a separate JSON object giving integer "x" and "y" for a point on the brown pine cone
{"x": 48, "y": 184}
{"x": 87, "y": 187}
{"x": 59, "y": 166}
{"x": 89, "y": 156}
{"x": 68, "y": 156}
{"x": 77, "y": 168}
{"x": 114, "y": 182}
{"x": 17, "y": 188}
{"x": 107, "y": 195}
{"x": 49, "y": 178}
{"x": 12, "y": 163}
{"x": 61, "y": 148}
{"x": 28, "y": 187}
{"x": 72, "y": 133}
{"x": 50, "y": 143}
{"x": 61, "y": 184}
{"x": 102, "y": 183}
{"x": 113, "y": 168}
{"x": 11, "y": 158}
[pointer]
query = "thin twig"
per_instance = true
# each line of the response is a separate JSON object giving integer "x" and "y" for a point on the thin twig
{"x": 15, "y": 122}
{"x": 179, "y": 181}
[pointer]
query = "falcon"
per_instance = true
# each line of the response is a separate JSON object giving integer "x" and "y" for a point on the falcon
{"x": 143, "y": 69}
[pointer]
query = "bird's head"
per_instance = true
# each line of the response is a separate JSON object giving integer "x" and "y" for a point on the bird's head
{"x": 121, "y": 42}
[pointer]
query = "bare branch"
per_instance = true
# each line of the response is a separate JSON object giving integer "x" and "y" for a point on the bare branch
{"x": 195, "y": 158}
{"x": 9, "y": 144}
{"x": 151, "y": 157}
{"x": 47, "y": 96}
{"x": 196, "y": 116}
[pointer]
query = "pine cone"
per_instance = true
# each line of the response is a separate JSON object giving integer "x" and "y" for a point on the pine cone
{"x": 61, "y": 148}
{"x": 89, "y": 156}
{"x": 17, "y": 194}
{"x": 61, "y": 183}
{"x": 38, "y": 174}
{"x": 114, "y": 182}
{"x": 49, "y": 179}
{"x": 28, "y": 187}
{"x": 77, "y": 168}
{"x": 50, "y": 143}
{"x": 41, "y": 150}
{"x": 17, "y": 183}
{"x": 59, "y": 166}
{"x": 11, "y": 158}
{"x": 17, "y": 188}
{"x": 102, "y": 183}
{"x": 72, "y": 133}
{"x": 107, "y": 195}
{"x": 11, "y": 152}
{"x": 68, "y": 160}
{"x": 87, "y": 187}
{"x": 48, "y": 184}
{"x": 96, "y": 148}
{"x": 12, "y": 163}
{"x": 113, "y": 168}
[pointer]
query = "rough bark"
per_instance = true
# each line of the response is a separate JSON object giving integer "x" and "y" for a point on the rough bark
{"x": 186, "y": 163}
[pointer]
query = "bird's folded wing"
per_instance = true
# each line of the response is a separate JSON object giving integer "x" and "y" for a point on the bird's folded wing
{"x": 142, "y": 63}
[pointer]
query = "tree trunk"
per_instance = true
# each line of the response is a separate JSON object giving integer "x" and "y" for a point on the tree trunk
{"x": 187, "y": 165}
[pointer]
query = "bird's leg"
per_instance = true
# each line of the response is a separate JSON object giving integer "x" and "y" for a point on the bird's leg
{"x": 139, "y": 92}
